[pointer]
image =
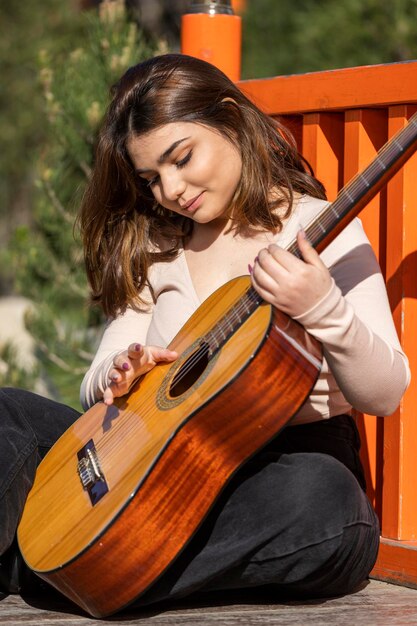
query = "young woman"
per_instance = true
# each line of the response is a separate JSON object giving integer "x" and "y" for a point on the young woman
{"x": 192, "y": 186}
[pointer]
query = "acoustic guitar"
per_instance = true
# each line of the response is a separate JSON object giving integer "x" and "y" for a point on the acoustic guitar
{"x": 125, "y": 488}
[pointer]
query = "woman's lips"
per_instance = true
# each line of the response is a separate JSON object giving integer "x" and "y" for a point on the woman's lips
{"x": 194, "y": 203}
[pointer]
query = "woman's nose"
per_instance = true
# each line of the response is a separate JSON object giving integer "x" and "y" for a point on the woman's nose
{"x": 173, "y": 186}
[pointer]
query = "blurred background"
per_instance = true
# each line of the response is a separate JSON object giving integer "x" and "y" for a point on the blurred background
{"x": 58, "y": 59}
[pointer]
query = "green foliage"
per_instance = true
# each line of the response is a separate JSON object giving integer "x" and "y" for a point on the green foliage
{"x": 286, "y": 37}
{"x": 46, "y": 256}
{"x": 25, "y": 27}
{"x": 11, "y": 373}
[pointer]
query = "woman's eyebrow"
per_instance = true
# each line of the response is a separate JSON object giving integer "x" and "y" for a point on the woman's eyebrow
{"x": 165, "y": 154}
{"x": 171, "y": 148}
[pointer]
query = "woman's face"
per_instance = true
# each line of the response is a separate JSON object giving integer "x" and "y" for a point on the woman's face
{"x": 191, "y": 169}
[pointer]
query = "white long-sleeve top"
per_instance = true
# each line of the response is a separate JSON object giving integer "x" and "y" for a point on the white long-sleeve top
{"x": 364, "y": 366}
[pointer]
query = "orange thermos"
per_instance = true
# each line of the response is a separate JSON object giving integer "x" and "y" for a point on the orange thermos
{"x": 211, "y": 31}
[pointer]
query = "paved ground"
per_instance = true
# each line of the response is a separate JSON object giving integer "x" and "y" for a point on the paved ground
{"x": 376, "y": 604}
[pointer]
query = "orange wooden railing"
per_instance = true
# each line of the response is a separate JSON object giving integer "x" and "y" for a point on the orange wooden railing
{"x": 340, "y": 119}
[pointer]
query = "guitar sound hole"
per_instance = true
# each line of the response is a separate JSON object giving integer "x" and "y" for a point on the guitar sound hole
{"x": 190, "y": 371}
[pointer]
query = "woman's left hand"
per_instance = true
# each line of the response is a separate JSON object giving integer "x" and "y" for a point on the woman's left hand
{"x": 292, "y": 285}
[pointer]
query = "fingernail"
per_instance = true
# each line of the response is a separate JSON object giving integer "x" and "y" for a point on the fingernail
{"x": 125, "y": 366}
{"x": 250, "y": 268}
{"x": 256, "y": 259}
{"x": 138, "y": 347}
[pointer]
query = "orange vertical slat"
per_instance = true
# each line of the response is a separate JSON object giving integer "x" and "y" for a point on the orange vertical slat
{"x": 365, "y": 134}
{"x": 399, "y": 512}
{"x": 294, "y": 123}
{"x": 323, "y": 148}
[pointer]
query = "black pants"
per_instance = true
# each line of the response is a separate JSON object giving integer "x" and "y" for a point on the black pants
{"x": 295, "y": 517}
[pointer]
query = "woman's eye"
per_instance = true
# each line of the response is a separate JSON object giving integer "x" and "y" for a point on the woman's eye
{"x": 152, "y": 181}
{"x": 185, "y": 160}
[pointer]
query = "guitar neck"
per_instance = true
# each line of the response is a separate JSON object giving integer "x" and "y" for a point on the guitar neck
{"x": 361, "y": 189}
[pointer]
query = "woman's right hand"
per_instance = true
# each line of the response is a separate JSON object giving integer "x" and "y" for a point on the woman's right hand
{"x": 132, "y": 363}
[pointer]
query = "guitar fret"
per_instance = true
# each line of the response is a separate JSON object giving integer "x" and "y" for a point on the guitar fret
{"x": 349, "y": 195}
{"x": 246, "y": 305}
{"x": 399, "y": 145}
{"x": 334, "y": 210}
{"x": 229, "y": 323}
{"x": 222, "y": 332}
{"x": 364, "y": 180}
{"x": 211, "y": 340}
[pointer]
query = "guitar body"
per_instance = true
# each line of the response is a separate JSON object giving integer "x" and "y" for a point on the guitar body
{"x": 124, "y": 489}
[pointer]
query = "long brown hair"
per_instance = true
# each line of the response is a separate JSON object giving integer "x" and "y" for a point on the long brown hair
{"x": 121, "y": 224}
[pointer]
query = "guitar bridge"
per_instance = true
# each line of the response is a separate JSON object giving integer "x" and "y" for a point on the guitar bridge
{"x": 89, "y": 471}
